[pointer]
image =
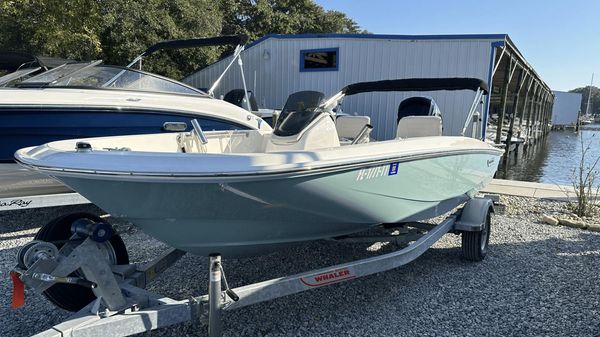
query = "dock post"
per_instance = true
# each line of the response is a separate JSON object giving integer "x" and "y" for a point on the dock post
{"x": 522, "y": 75}
{"x": 507, "y": 78}
{"x": 522, "y": 111}
{"x": 530, "y": 113}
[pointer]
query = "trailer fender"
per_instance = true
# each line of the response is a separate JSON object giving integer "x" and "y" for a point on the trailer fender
{"x": 473, "y": 215}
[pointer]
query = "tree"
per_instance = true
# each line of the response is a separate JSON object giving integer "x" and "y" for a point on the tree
{"x": 118, "y": 30}
{"x": 256, "y": 18}
{"x": 594, "y": 102}
{"x": 129, "y": 27}
{"x": 112, "y": 30}
{"x": 583, "y": 180}
{"x": 66, "y": 29}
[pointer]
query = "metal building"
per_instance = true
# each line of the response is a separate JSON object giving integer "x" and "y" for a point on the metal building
{"x": 278, "y": 65}
{"x": 566, "y": 109}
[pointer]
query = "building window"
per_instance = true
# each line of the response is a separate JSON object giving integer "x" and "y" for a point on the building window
{"x": 319, "y": 59}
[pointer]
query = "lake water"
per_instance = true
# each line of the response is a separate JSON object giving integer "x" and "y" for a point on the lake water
{"x": 554, "y": 159}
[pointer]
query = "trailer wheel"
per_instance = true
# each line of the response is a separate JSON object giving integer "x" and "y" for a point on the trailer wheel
{"x": 69, "y": 296}
{"x": 475, "y": 244}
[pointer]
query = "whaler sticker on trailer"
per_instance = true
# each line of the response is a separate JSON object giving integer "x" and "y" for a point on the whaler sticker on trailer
{"x": 328, "y": 277}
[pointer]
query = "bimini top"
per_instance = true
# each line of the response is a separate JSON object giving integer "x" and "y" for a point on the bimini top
{"x": 417, "y": 84}
{"x": 229, "y": 40}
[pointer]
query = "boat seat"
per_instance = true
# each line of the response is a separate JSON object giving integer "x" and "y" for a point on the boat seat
{"x": 419, "y": 126}
{"x": 348, "y": 127}
{"x": 236, "y": 97}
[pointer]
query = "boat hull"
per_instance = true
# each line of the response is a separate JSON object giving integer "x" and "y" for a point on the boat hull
{"x": 248, "y": 217}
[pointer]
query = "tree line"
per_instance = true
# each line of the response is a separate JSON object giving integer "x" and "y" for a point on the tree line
{"x": 594, "y": 101}
{"x": 118, "y": 30}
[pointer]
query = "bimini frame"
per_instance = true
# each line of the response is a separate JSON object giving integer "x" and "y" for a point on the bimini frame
{"x": 417, "y": 84}
{"x": 232, "y": 40}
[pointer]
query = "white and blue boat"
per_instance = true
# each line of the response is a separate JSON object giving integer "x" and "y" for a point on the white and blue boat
{"x": 81, "y": 100}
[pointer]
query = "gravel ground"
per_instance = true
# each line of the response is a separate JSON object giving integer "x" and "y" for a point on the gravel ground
{"x": 537, "y": 280}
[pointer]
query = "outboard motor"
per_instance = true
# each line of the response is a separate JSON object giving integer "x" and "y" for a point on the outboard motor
{"x": 302, "y": 125}
{"x": 418, "y": 106}
{"x": 236, "y": 97}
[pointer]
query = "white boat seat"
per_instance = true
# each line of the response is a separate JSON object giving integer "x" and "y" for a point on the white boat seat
{"x": 349, "y": 127}
{"x": 419, "y": 126}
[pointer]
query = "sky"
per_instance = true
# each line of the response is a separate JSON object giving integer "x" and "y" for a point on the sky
{"x": 559, "y": 38}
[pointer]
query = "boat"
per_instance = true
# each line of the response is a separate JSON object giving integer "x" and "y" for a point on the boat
{"x": 246, "y": 192}
{"x": 90, "y": 99}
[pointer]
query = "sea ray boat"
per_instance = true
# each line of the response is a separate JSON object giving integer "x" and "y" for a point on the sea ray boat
{"x": 245, "y": 192}
{"x": 89, "y": 99}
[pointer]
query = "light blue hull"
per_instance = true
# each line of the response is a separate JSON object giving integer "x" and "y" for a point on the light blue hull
{"x": 240, "y": 218}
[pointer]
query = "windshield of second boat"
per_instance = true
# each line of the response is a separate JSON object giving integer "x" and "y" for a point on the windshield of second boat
{"x": 121, "y": 78}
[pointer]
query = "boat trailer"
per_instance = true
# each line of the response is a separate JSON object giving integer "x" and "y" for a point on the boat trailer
{"x": 123, "y": 307}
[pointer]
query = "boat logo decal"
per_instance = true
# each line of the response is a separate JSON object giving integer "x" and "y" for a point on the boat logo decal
{"x": 16, "y": 203}
{"x": 393, "y": 169}
{"x": 328, "y": 277}
{"x": 377, "y": 171}
{"x": 490, "y": 162}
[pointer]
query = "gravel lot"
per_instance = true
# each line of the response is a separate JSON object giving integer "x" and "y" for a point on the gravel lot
{"x": 536, "y": 280}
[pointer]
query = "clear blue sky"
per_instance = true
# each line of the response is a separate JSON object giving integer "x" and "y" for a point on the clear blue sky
{"x": 559, "y": 38}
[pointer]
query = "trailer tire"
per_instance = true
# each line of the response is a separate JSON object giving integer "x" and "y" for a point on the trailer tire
{"x": 475, "y": 244}
{"x": 69, "y": 296}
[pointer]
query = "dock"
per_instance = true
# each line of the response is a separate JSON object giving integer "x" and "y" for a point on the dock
{"x": 529, "y": 189}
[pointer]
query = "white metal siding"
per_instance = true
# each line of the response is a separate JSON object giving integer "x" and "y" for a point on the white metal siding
{"x": 273, "y": 65}
{"x": 566, "y": 108}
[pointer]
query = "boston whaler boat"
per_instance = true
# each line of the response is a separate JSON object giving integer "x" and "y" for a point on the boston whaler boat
{"x": 90, "y": 99}
{"x": 238, "y": 193}
{"x": 246, "y": 192}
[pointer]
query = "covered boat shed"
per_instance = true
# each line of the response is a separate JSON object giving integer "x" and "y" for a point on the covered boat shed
{"x": 279, "y": 65}
{"x": 566, "y": 110}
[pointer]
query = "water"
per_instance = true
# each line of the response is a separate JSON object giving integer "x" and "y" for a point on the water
{"x": 554, "y": 160}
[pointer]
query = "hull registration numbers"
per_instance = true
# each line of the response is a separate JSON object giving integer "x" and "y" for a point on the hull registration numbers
{"x": 377, "y": 171}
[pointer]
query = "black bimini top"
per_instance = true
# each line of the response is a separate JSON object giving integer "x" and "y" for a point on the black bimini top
{"x": 417, "y": 84}
{"x": 232, "y": 40}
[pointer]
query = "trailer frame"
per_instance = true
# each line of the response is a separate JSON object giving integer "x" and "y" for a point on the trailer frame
{"x": 145, "y": 311}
